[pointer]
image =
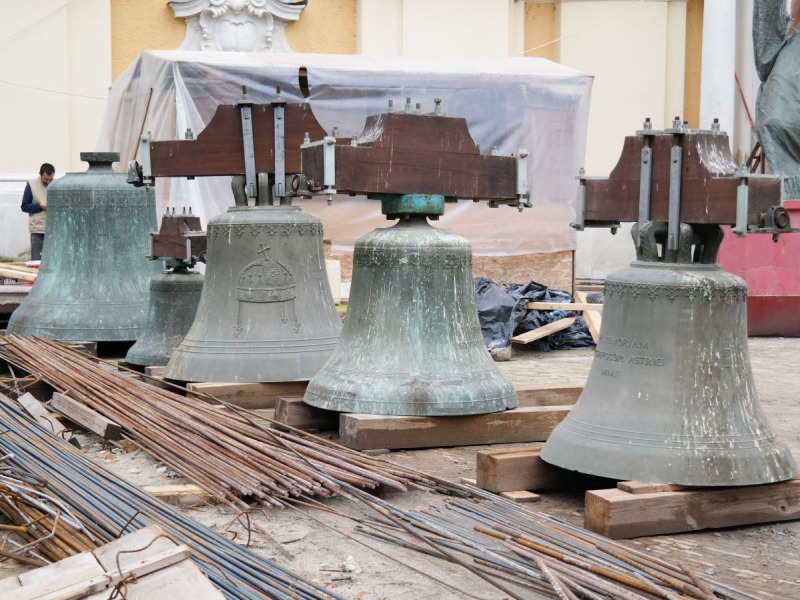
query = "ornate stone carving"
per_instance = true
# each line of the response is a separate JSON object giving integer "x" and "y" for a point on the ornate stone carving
{"x": 237, "y": 25}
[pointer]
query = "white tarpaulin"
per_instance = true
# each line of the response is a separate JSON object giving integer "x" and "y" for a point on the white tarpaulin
{"x": 509, "y": 103}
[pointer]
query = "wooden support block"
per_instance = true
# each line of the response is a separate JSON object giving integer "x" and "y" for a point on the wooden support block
{"x": 543, "y": 331}
{"x": 592, "y": 318}
{"x": 154, "y": 371}
{"x": 521, "y": 469}
{"x": 86, "y": 417}
{"x": 249, "y": 395}
{"x": 527, "y": 424}
{"x": 293, "y": 411}
{"x": 640, "y": 487}
{"x": 617, "y": 514}
{"x": 46, "y": 419}
{"x": 521, "y": 496}
{"x": 84, "y": 347}
{"x": 579, "y": 306}
{"x": 548, "y": 395}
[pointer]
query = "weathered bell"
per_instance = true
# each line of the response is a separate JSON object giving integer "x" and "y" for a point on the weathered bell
{"x": 94, "y": 276}
{"x": 670, "y": 395}
{"x": 174, "y": 296}
{"x": 266, "y": 312}
{"x": 411, "y": 343}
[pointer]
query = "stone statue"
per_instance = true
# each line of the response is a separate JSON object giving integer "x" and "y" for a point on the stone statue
{"x": 237, "y": 25}
{"x": 776, "y": 44}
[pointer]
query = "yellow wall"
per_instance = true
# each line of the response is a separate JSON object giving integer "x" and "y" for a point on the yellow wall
{"x": 325, "y": 26}
{"x": 694, "y": 54}
{"x": 540, "y": 28}
{"x": 138, "y": 25}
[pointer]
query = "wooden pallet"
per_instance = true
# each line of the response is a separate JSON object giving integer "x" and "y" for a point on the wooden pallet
{"x": 540, "y": 410}
{"x": 628, "y": 509}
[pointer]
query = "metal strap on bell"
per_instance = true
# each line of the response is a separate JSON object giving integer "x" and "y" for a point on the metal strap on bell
{"x": 670, "y": 396}
{"x": 175, "y": 293}
{"x": 266, "y": 312}
{"x": 412, "y": 343}
{"x": 93, "y": 280}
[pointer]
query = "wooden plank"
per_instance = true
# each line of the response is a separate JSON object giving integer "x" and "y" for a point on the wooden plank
{"x": 181, "y": 581}
{"x": 45, "y": 418}
{"x": 18, "y": 275}
{"x": 8, "y": 584}
{"x": 154, "y": 371}
{"x": 18, "y": 267}
{"x": 521, "y": 496}
{"x": 543, "y": 331}
{"x": 249, "y": 395}
{"x": 40, "y": 582}
{"x": 548, "y": 395}
{"x": 592, "y": 318}
{"x": 640, "y": 487}
{"x": 182, "y": 493}
{"x": 574, "y": 306}
{"x": 617, "y": 514}
{"x": 527, "y": 424}
{"x": 85, "y": 347}
{"x": 293, "y": 411}
{"x": 86, "y": 417}
{"x": 520, "y": 469}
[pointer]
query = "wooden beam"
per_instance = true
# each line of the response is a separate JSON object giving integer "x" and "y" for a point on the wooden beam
{"x": 592, "y": 318}
{"x": 543, "y": 331}
{"x": 519, "y": 469}
{"x": 293, "y": 411}
{"x": 46, "y": 419}
{"x": 573, "y": 306}
{"x": 617, "y": 514}
{"x": 527, "y": 424}
{"x": 640, "y": 487}
{"x": 249, "y": 395}
{"x": 548, "y": 395}
{"x": 86, "y": 417}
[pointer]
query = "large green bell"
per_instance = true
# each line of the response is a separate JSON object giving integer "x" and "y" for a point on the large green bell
{"x": 94, "y": 276}
{"x": 412, "y": 342}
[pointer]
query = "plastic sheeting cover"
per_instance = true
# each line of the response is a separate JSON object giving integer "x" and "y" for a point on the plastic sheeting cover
{"x": 509, "y": 103}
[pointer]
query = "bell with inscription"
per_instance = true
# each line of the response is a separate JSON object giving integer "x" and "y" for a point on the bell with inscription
{"x": 412, "y": 343}
{"x": 93, "y": 280}
{"x": 670, "y": 395}
{"x": 266, "y": 312}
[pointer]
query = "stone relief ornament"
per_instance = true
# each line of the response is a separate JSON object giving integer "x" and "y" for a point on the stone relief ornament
{"x": 237, "y": 25}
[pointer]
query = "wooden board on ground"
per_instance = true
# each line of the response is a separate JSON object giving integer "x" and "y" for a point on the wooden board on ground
{"x": 592, "y": 318}
{"x": 296, "y": 413}
{"x": 521, "y": 496}
{"x": 618, "y": 514}
{"x": 179, "y": 492}
{"x": 86, "y": 417}
{"x": 45, "y": 418}
{"x": 543, "y": 331}
{"x": 526, "y": 424}
{"x": 249, "y": 395}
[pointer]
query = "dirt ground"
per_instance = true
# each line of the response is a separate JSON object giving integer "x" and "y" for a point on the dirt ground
{"x": 762, "y": 560}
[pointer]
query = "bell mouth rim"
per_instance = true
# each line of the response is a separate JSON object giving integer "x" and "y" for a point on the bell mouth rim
{"x": 643, "y": 264}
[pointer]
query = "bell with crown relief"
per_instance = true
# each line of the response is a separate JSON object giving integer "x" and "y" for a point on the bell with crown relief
{"x": 670, "y": 396}
{"x": 266, "y": 312}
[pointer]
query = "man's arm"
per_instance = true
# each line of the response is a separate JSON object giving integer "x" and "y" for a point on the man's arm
{"x": 770, "y": 21}
{"x": 28, "y": 205}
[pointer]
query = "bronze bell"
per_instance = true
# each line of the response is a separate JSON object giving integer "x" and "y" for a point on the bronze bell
{"x": 670, "y": 395}
{"x": 93, "y": 280}
{"x": 174, "y": 294}
{"x": 266, "y": 312}
{"x": 411, "y": 343}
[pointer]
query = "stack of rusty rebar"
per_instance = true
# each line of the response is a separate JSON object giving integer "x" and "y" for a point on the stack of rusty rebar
{"x": 224, "y": 451}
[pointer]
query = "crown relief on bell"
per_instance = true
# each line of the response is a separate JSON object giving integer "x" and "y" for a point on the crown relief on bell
{"x": 237, "y": 25}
